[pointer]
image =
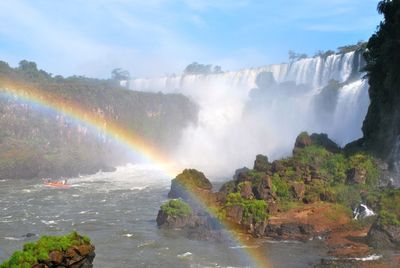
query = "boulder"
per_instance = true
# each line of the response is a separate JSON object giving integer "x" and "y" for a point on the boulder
{"x": 56, "y": 257}
{"x": 303, "y": 140}
{"x": 382, "y": 236}
{"x": 299, "y": 190}
{"x": 261, "y": 163}
{"x": 323, "y": 141}
{"x": 356, "y": 176}
{"x": 264, "y": 189}
{"x": 190, "y": 180}
{"x": 235, "y": 213}
{"x": 175, "y": 214}
{"x": 245, "y": 189}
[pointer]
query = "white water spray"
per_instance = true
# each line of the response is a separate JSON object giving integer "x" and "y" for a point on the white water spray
{"x": 227, "y": 136}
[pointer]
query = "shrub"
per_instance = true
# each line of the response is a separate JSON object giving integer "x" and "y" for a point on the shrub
{"x": 312, "y": 155}
{"x": 366, "y": 162}
{"x": 334, "y": 169}
{"x": 280, "y": 187}
{"x": 251, "y": 208}
{"x": 389, "y": 207}
{"x": 176, "y": 208}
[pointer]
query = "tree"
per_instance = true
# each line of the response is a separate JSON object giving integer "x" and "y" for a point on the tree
{"x": 30, "y": 70}
{"x": 120, "y": 74}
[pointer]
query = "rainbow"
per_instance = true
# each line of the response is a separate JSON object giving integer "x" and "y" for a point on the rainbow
{"x": 45, "y": 99}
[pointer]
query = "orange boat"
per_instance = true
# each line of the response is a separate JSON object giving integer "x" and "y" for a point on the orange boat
{"x": 57, "y": 184}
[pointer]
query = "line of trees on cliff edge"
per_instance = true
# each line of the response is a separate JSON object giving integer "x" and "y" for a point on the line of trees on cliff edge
{"x": 360, "y": 45}
{"x": 30, "y": 71}
{"x": 54, "y": 145}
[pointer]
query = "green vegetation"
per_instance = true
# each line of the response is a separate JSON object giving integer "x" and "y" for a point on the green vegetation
{"x": 256, "y": 209}
{"x": 197, "y": 68}
{"x": 280, "y": 186}
{"x": 190, "y": 178}
{"x": 389, "y": 207}
{"x": 33, "y": 253}
{"x": 176, "y": 208}
{"x": 59, "y": 145}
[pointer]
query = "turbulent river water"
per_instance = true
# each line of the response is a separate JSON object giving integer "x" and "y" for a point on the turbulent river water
{"x": 118, "y": 210}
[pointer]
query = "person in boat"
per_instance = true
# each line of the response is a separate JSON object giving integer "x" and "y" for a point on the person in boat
{"x": 65, "y": 182}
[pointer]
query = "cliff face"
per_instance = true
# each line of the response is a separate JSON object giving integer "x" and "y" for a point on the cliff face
{"x": 36, "y": 141}
{"x": 382, "y": 123}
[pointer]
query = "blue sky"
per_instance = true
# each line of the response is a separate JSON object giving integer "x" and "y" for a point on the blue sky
{"x": 157, "y": 37}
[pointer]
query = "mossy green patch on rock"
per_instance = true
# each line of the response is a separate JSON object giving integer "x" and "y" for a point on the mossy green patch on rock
{"x": 389, "y": 207}
{"x": 254, "y": 209}
{"x": 190, "y": 180}
{"x": 176, "y": 208}
{"x": 38, "y": 252}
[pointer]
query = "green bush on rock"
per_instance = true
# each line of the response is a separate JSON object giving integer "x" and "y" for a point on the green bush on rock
{"x": 33, "y": 253}
{"x": 176, "y": 208}
{"x": 251, "y": 208}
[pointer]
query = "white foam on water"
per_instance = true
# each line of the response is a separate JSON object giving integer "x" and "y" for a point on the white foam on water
{"x": 13, "y": 238}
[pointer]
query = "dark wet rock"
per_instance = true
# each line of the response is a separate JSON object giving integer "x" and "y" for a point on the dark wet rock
{"x": 383, "y": 236}
{"x": 261, "y": 163}
{"x": 190, "y": 180}
{"x": 323, "y": 141}
{"x": 295, "y": 231}
{"x": 356, "y": 176}
{"x": 28, "y": 235}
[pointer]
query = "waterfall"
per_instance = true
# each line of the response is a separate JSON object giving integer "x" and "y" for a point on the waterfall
{"x": 228, "y": 136}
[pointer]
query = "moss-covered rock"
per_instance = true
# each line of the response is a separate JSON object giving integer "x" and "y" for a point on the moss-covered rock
{"x": 261, "y": 163}
{"x": 72, "y": 250}
{"x": 175, "y": 213}
{"x": 187, "y": 182}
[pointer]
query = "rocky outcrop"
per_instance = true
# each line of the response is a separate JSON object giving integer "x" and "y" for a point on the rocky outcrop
{"x": 165, "y": 220}
{"x": 290, "y": 231}
{"x": 382, "y": 236}
{"x": 261, "y": 163}
{"x": 190, "y": 181}
{"x": 74, "y": 257}
{"x": 304, "y": 139}
{"x": 356, "y": 176}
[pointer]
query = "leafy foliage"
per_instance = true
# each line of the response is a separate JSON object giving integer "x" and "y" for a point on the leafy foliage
{"x": 256, "y": 209}
{"x": 176, "y": 208}
{"x": 197, "y": 68}
{"x": 389, "y": 207}
{"x": 280, "y": 187}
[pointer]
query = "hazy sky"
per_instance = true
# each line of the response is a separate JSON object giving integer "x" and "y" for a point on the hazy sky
{"x": 156, "y": 37}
